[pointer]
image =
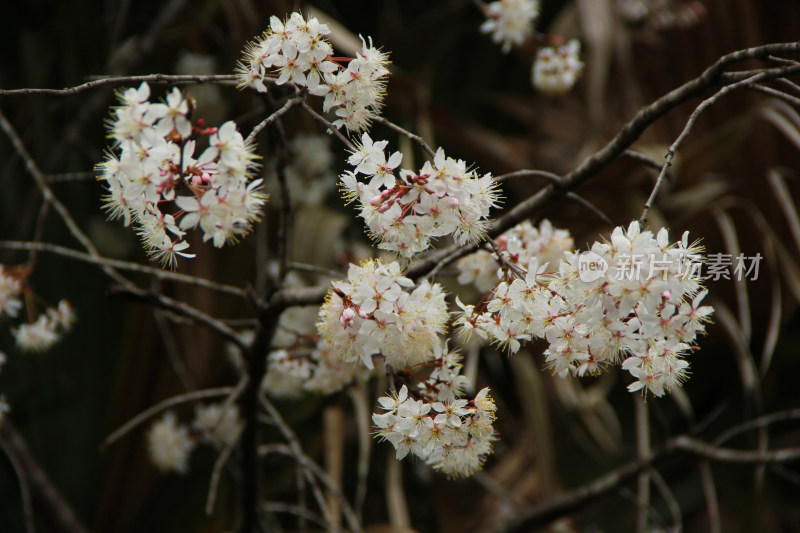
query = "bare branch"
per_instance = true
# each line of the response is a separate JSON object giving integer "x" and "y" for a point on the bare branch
{"x": 216, "y": 473}
{"x": 225, "y": 79}
{"x": 529, "y": 173}
{"x": 705, "y": 104}
{"x": 123, "y": 265}
{"x": 567, "y": 502}
{"x": 161, "y": 406}
{"x": 788, "y": 98}
{"x": 414, "y": 137}
{"x": 273, "y": 117}
{"x": 50, "y": 503}
{"x": 181, "y": 308}
{"x": 48, "y": 195}
{"x": 329, "y": 125}
{"x": 24, "y": 487}
{"x": 630, "y": 132}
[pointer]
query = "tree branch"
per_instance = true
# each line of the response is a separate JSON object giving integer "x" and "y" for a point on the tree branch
{"x": 226, "y": 79}
{"x": 123, "y": 265}
{"x": 630, "y": 132}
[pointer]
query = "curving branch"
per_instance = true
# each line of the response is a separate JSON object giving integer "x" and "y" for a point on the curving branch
{"x": 713, "y": 76}
{"x": 568, "y": 502}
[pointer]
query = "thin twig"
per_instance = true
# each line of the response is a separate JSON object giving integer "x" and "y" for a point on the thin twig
{"x": 672, "y": 503}
{"x": 643, "y": 159}
{"x": 280, "y": 507}
{"x": 284, "y": 220}
{"x": 567, "y": 502}
{"x": 273, "y": 117}
{"x": 710, "y": 493}
{"x": 314, "y": 269}
{"x": 24, "y": 487}
{"x": 216, "y": 473}
{"x": 123, "y": 265}
{"x": 416, "y": 138}
{"x": 330, "y": 127}
{"x": 161, "y": 406}
{"x": 50, "y": 504}
{"x": 788, "y": 98}
{"x": 180, "y": 308}
{"x": 761, "y": 421}
{"x": 591, "y": 207}
{"x": 529, "y": 173}
{"x": 705, "y": 104}
{"x": 295, "y": 450}
{"x": 48, "y": 195}
{"x": 227, "y": 79}
{"x": 628, "y": 134}
{"x": 65, "y": 177}
{"x": 642, "y": 453}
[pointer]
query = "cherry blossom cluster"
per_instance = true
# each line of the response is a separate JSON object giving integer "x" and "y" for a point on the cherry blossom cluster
{"x": 453, "y": 435}
{"x": 10, "y": 293}
{"x": 296, "y": 51}
{"x": 375, "y": 311}
{"x": 170, "y": 444}
{"x": 404, "y": 211}
{"x": 510, "y": 21}
{"x": 47, "y": 329}
{"x": 300, "y": 362}
{"x": 518, "y": 246}
{"x": 557, "y": 68}
{"x": 153, "y": 159}
{"x": 636, "y": 298}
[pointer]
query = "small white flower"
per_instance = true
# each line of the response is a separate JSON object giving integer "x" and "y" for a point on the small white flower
{"x": 169, "y": 444}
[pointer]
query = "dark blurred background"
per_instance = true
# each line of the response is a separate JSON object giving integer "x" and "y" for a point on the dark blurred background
{"x": 454, "y": 86}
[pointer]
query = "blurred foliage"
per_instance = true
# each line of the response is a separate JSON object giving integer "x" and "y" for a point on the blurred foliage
{"x": 452, "y": 85}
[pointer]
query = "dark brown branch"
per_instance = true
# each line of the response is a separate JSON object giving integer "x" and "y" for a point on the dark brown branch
{"x": 50, "y": 504}
{"x": 564, "y": 504}
{"x": 181, "y": 309}
{"x": 630, "y": 132}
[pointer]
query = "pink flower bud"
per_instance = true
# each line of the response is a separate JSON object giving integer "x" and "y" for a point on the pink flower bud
{"x": 346, "y": 318}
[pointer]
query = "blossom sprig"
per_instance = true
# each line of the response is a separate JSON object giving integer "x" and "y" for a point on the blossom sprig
{"x": 296, "y": 51}
{"x": 404, "y": 210}
{"x": 152, "y": 167}
{"x": 557, "y": 68}
{"x": 171, "y": 443}
{"x": 376, "y": 311}
{"x": 44, "y": 329}
{"x": 454, "y": 436}
{"x": 510, "y": 22}
{"x": 636, "y": 299}
{"x": 10, "y": 293}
